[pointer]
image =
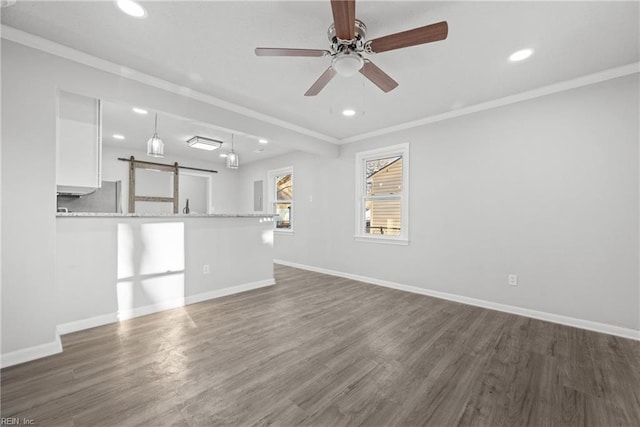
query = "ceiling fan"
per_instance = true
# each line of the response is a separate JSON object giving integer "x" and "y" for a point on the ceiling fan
{"x": 347, "y": 37}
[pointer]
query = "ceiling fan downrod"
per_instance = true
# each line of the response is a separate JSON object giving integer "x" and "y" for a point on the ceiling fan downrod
{"x": 356, "y": 44}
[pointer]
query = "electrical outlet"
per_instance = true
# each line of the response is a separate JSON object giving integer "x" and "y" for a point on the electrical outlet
{"x": 205, "y": 269}
{"x": 513, "y": 280}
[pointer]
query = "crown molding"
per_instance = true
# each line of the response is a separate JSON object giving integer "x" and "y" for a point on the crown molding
{"x": 587, "y": 80}
{"x": 48, "y": 46}
{"x": 53, "y": 48}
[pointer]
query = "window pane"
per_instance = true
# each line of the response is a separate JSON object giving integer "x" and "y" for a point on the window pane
{"x": 283, "y": 212}
{"x": 384, "y": 176}
{"x": 383, "y": 217}
{"x": 284, "y": 187}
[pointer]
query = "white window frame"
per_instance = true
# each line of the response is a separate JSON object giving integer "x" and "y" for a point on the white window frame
{"x": 271, "y": 179}
{"x": 361, "y": 193}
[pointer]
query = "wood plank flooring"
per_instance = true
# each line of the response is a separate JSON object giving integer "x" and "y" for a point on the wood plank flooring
{"x": 321, "y": 350}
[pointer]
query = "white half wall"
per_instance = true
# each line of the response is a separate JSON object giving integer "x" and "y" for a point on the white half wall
{"x": 547, "y": 189}
{"x": 115, "y": 268}
{"x": 122, "y": 266}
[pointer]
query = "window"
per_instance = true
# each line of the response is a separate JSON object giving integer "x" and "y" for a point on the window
{"x": 382, "y": 195}
{"x": 281, "y": 197}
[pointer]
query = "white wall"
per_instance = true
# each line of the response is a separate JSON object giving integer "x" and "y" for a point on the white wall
{"x": 225, "y": 182}
{"x": 317, "y": 209}
{"x": 30, "y": 80}
{"x": 546, "y": 189}
{"x": 28, "y": 203}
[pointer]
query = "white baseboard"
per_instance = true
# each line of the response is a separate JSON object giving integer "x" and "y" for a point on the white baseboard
{"x": 192, "y": 299}
{"x": 150, "y": 309}
{"x": 92, "y": 322}
{"x": 43, "y": 350}
{"x": 31, "y": 353}
{"x": 540, "y": 315}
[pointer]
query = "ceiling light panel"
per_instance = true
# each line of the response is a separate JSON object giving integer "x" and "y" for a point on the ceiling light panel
{"x": 203, "y": 143}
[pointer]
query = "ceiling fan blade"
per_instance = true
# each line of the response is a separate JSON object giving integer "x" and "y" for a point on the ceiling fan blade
{"x": 344, "y": 18}
{"x": 426, "y": 34}
{"x": 321, "y": 82}
{"x": 377, "y": 76}
{"x": 271, "y": 51}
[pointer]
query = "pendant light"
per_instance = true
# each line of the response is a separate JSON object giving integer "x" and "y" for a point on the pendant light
{"x": 155, "y": 146}
{"x": 233, "y": 162}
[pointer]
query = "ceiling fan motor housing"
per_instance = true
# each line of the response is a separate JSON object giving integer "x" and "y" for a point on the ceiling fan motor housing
{"x": 357, "y": 44}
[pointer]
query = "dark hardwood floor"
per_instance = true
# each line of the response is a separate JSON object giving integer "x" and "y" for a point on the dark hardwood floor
{"x": 322, "y": 350}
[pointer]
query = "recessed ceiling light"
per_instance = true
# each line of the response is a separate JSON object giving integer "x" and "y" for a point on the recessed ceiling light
{"x": 139, "y": 110}
{"x": 132, "y": 8}
{"x": 118, "y": 136}
{"x": 520, "y": 55}
{"x": 223, "y": 155}
{"x": 263, "y": 141}
{"x": 348, "y": 112}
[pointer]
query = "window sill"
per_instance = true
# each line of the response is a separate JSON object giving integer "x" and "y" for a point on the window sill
{"x": 283, "y": 232}
{"x": 382, "y": 240}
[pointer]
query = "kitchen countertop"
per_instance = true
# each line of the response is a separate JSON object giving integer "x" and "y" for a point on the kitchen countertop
{"x": 156, "y": 215}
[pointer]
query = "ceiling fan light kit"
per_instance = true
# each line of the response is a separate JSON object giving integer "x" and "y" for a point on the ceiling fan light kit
{"x": 347, "y": 37}
{"x": 347, "y": 63}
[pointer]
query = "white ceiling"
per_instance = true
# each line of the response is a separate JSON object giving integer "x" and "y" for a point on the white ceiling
{"x": 208, "y": 46}
{"x": 174, "y": 131}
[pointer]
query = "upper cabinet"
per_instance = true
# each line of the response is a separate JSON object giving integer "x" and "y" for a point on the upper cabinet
{"x": 79, "y": 144}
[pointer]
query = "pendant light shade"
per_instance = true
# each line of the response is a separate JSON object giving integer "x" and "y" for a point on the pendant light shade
{"x": 233, "y": 161}
{"x": 155, "y": 146}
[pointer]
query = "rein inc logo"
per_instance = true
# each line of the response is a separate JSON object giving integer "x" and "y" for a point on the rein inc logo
{"x": 8, "y": 421}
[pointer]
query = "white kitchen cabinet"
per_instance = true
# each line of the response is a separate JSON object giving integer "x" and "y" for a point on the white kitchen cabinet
{"x": 79, "y": 144}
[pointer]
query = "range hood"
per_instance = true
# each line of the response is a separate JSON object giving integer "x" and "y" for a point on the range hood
{"x": 105, "y": 199}
{"x": 69, "y": 190}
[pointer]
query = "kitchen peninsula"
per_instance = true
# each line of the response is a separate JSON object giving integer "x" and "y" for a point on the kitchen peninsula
{"x": 111, "y": 267}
